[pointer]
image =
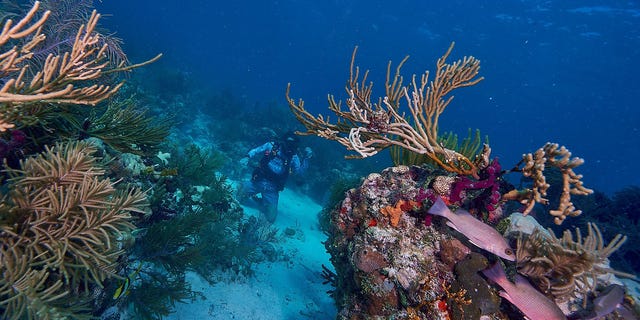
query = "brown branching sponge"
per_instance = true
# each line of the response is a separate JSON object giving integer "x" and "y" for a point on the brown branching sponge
{"x": 551, "y": 154}
{"x": 368, "y": 127}
{"x": 59, "y": 229}
{"x": 77, "y": 76}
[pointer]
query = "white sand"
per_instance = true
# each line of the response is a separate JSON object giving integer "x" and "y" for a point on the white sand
{"x": 278, "y": 290}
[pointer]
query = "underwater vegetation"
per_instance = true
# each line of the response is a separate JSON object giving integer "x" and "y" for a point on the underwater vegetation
{"x": 70, "y": 234}
{"x": 195, "y": 225}
{"x": 61, "y": 224}
{"x": 468, "y": 147}
{"x": 157, "y": 294}
{"x": 396, "y": 258}
{"x": 598, "y": 208}
{"x": 369, "y": 127}
{"x": 124, "y": 126}
{"x": 80, "y": 239}
{"x": 566, "y": 266}
{"x": 82, "y": 75}
{"x": 199, "y": 165}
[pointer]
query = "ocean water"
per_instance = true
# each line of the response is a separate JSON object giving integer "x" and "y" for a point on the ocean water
{"x": 559, "y": 71}
{"x": 554, "y": 71}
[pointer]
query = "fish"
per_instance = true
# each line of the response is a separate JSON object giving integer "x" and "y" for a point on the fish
{"x": 608, "y": 301}
{"x": 531, "y": 302}
{"x": 125, "y": 286}
{"x": 479, "y": 233}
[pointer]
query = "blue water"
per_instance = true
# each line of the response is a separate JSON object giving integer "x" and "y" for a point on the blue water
{"x": 560, "y": 71}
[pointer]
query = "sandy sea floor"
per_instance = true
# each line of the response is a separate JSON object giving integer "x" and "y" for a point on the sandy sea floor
{"x": 289, "y": 289}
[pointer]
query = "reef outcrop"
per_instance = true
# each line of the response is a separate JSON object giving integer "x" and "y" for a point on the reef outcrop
{"x": 394, "y": 261}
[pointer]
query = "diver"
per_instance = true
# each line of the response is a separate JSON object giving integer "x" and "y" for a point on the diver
{"x": 279, "y": 160}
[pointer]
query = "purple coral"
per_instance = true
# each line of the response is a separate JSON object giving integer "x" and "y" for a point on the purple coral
{"x": 12, "y": 149}
{"x": 491, "y": 174}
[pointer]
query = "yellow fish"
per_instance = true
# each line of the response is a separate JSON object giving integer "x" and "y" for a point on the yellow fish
{"x": 123, "y": 289}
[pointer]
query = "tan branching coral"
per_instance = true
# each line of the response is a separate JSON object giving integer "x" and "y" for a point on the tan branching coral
{"x": 551, "y": 154}
{"x": 59, "y": 230}
{"x": 368, "y": 127}
{"x": 568, "y": 266}
{"x": 74, "y": 77}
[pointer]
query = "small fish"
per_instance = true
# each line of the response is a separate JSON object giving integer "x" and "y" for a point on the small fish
{"x": 531, "y": 302}
{"x": 608, "y": 301}
{"x": 479, "y": 233}
{"x": 124, "y": 288}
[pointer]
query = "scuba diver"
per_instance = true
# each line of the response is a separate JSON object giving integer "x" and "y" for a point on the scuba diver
{"x": 279, "y": 160}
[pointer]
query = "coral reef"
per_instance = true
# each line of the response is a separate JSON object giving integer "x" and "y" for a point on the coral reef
{"x": 551, "y": 154}
{"x": 393, "y": 259}
{"x": 477, "y": 298}
{"x": 124, "y": 126}
{"x": 470, "y": 147}
{"x": 397, "y": 267}
{"x": 60, "y": 226}
{"x": 568, "y": 267}
{"x": 489, "y": 182}
{"x": 62, "y": 25}
{"x": 81, "y": 75}
{"x": 64, "y": 225}
{"x": 598, "y": 208}
{"x": 368, "y": 128}
{"x": 11, "y": 149}
{"x": 198, "y": 165}
{"x": 195, "y": 226}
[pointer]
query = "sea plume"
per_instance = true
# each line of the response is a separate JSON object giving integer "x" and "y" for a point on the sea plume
{"x": 59, "y": 229}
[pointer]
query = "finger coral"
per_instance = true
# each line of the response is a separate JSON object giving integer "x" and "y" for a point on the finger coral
{"x": 552, "y": 155}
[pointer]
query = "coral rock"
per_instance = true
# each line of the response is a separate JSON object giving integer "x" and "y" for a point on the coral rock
{"x": 369, "y": 260}
{"x": 390, "y": 269}
{"x": 452, "y": 251}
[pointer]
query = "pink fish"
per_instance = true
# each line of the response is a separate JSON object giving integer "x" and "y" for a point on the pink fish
{"x": 531, "y": 302}
{"x": 479, "y": 233}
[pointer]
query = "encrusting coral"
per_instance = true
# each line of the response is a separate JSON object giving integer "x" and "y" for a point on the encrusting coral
{"x": 59, "y": 230}
{"x": 389, "y": 269}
